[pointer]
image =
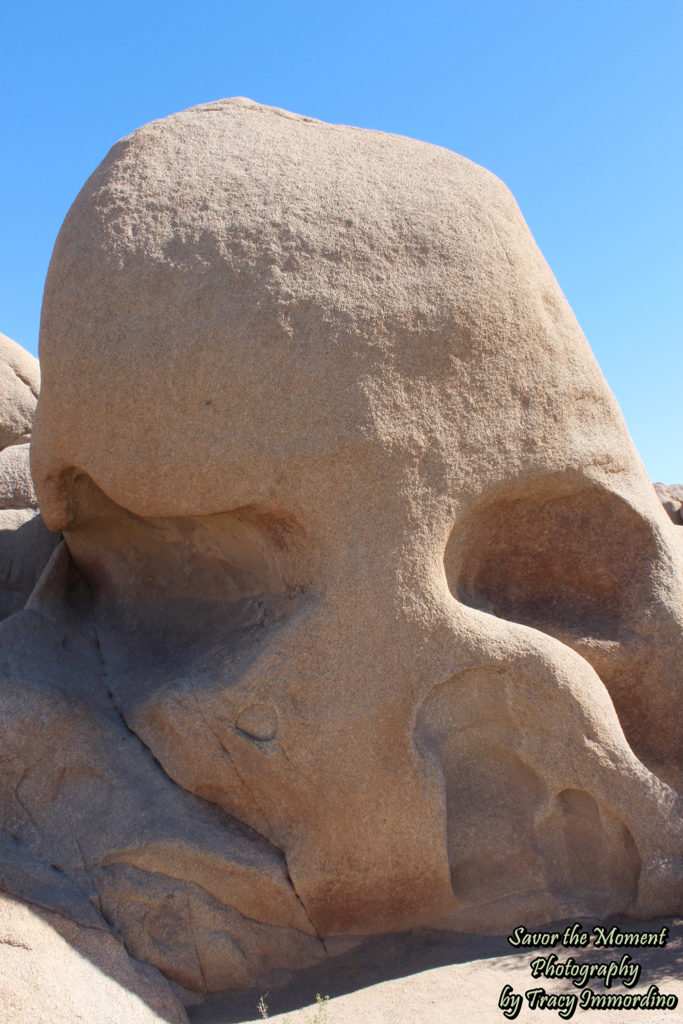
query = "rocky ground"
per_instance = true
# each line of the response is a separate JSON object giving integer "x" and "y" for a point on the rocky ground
{"x": 447, "y": 978}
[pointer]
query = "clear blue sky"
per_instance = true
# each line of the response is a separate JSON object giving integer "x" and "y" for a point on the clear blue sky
{"x": 576, "y": 106}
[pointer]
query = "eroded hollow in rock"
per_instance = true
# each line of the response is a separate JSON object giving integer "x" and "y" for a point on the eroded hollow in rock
{"x": 568, "y": 564}
{"x": 175, "y": 582}
{"x": 580, "y": 565}
{"x": 515, "y": 829}
{"x": 182, "y": 607}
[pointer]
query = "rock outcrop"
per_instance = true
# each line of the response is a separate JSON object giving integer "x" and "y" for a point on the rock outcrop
{"x": 49, "y": 974}
{"x": 25, "y": 543}
{"x": 367, "y": 615}
{"x": 671, "y": 497}
{"x": 19, "y": 389}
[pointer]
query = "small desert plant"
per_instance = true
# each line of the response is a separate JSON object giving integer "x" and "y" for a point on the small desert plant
{"x": 320, "y": 1009}
{"x": 262, "y": 1006}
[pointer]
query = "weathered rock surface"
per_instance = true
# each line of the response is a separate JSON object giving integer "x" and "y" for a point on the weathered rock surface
{"x": 439, "y": 978}
{"x": 25, "y": 543}
{"x": 52, "y": 972}
{"x": 19, "y": 389}
{"x": 16, "y": 485}
{"x": 368, "y": 616}
{"x": 671, "y": 497}
{"x": 187, "y": 888}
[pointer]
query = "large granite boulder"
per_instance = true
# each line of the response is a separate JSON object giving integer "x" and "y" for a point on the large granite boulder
{"x": 368, "y": 616}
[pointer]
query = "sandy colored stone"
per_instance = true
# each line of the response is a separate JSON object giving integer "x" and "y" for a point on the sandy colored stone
{"x": 671, "y": 498}
{"x": 19, "y": 389}
{"x": 186, "y": 888}
{"x": 418, "y": 979}
{"x": 77, "y": 977}
{"x": 25, "y": 542}
{"x": 368, "y": 617}
{"x": 16, "y": 486}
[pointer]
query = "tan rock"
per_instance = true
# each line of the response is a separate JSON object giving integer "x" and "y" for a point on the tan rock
{"x": 25, "y": 542}
{"x": 364, "y": 574}
{"x": 187, "y": 888}
{"x": 671, "y": 498}
{"x": 19, "y": 388}
{"x": 16, "y": 485}
{"x": 52, "y": 972}
{"x": 430, "y": 979}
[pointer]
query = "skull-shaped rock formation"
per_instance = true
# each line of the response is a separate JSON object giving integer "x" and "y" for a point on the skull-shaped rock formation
{"x": 368, "y": 616}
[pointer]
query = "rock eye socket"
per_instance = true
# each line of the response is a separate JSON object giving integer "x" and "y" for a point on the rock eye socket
{"x": 575, "y": 563}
